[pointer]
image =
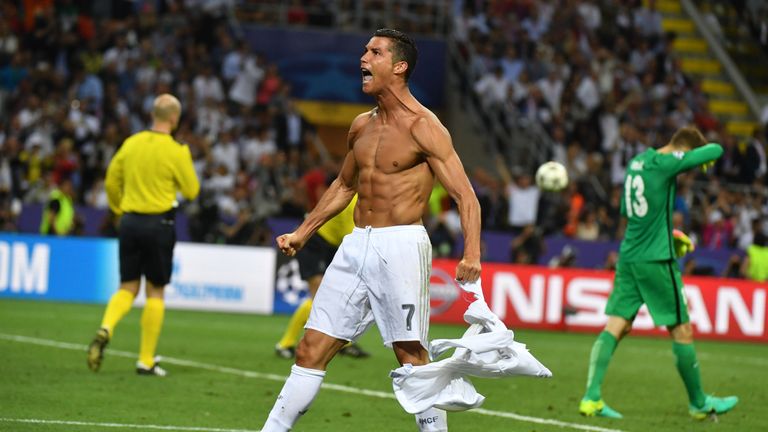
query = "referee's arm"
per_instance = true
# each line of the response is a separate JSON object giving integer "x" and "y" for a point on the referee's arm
{"x": 113, "y": 183}
{"x": 186, "y": 177}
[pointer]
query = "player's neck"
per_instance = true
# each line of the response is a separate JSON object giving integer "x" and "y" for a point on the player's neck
{"x": 395, "y": 100}
{"x": 162, "y": 127}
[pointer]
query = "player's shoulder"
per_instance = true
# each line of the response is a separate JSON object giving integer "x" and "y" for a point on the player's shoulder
{"x": 662, "y": 160}
{"x": 362, "y": 119}
{"x": 426, "y": 122}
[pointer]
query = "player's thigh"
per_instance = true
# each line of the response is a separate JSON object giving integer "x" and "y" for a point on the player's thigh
{"x": 341, "y": 308}
{"x": 662, "y": 288}
{"x": 129, "y": 248}
{"x": 400, "y": 286}
{"x": 625, "y": 298}
{"x": 157, "y": 256}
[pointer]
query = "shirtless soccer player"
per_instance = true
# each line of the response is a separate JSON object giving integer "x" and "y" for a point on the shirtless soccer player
{"x": 381, "y": 271}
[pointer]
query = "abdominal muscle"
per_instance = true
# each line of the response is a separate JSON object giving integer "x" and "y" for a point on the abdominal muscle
{"x": 390, "y": 199}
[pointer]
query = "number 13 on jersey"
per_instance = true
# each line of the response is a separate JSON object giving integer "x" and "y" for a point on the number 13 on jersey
{"x": 635, "y": 202}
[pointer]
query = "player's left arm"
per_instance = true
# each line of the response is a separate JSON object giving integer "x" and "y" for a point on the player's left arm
{"x": 186, "y": 177}
{"x": 435, "y": 142}
{"x": 698, "y": 156}
{"x": 113, "y": 182}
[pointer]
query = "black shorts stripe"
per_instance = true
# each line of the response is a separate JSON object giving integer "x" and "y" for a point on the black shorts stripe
{"x": 677, "y": 291}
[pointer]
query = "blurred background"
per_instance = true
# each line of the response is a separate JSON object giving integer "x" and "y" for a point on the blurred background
{"x": 269, "y": 88}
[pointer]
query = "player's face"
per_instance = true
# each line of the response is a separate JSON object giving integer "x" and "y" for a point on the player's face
{"x": 376, "y": 66}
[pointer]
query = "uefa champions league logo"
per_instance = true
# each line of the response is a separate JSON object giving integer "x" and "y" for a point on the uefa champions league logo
{"x": 289, "y": 283}
{"x": 443, "y": 290}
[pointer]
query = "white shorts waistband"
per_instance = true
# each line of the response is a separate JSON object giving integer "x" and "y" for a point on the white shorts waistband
{"x": 389, "y": 229}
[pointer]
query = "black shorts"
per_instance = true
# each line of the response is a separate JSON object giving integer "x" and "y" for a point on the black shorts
{"x": 315, "y": 257}
{"x": 146, "y": 247}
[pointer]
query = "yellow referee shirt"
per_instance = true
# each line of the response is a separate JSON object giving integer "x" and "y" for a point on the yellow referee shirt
{"x": 147, "y": 171}
{"x": 340, "y": 225}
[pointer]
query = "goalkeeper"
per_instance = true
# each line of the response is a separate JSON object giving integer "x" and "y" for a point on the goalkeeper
{"x": 313, "y": 259}
{"x": 648, "y": 273}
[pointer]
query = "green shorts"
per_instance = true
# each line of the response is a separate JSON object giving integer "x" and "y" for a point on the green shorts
{"x": 657, "y": 284}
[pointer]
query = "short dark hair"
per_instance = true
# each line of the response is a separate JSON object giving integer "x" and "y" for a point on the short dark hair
{"x": 688, "y": 137}
{"x": 403, "y": 48}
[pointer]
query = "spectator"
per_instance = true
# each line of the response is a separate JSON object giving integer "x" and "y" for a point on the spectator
{"x": 527, "y": 246}
{"x": 492, "y": 88}
{"x": 522, "y": 196}
{"x": 59, "y": 214}
{"x": 718, "y": 231}
{"x": 755, "y": 264}
{"x": 291, "y": 127}
{"x": 587, "y": 227}
{"x": 576, "y": 204}
{"x": 566, "y": 258}
{"x": 207, "y": 87}
{"x": 755, "y": 165}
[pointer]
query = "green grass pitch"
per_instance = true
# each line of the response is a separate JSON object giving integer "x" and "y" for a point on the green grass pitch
{"x": 224, "y": 376}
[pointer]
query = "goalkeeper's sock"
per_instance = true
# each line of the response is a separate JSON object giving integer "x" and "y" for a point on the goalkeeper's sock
{"x": 119, "y": 305}
{"x": 151, "y": 324}
{"x": 294, "y": 400}
{"x": 688, "y": 367}
{"x": 296, "y": 325}
{"x": 602, "y": 351}
{"x": 432, "y": 420}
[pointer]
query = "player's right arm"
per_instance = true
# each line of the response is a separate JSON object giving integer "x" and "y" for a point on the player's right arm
{"x": 696, "y": 157}
{"x": 334, "y": 199}
{"x": 113, "y": 183}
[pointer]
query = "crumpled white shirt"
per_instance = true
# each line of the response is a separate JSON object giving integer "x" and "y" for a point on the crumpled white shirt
{"x": 487, "y": 349}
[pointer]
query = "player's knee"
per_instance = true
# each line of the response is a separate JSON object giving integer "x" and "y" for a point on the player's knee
{"x": 306, "y": 354}
{"x": 316, "y": 351}
{"x": 410, "y": 352}
{"x": 627, "y": 329}
{"x": 682, "y": 333}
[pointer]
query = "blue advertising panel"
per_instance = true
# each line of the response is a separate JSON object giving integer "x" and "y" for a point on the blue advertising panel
{"x": 325, "y": 65}
{"x": 290, "y": 289}
{"x": 51, "y": 268}
{"x": 205, "y": 277}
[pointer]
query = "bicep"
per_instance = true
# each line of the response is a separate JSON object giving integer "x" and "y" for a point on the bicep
{"x": 450, "y": 172}
{"x": 186, "y": 176}
{"x": 435, "y": 142}
{"x": 349, "y": 169}
{"x": 348, "y": 172}
{"x": 114, "y": 175}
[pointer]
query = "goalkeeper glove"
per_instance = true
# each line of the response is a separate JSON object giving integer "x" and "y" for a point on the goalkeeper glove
{"x": 706, "y": 166}
{"x": 682, "y": 243}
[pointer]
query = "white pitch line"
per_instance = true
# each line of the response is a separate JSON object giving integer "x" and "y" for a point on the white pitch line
{"x": 122, "y": 425}
{"x": 280, "y": 378}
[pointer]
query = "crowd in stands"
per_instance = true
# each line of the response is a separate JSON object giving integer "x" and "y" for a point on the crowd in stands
{"x": 600, "y": 76}
{"x": 77, "y": 78}
{"x": 603, "y": 80}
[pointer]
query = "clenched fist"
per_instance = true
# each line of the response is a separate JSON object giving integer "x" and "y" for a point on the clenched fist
{"x": 468, "y": 270}
{"x": 290, "y": 243}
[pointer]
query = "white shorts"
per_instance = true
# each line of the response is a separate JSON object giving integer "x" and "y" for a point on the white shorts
{"x": 378, "y": 275}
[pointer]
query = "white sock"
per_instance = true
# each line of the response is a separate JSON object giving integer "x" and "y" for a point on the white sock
{"x": 432, "y": 420}
{"x": 297, "y": 394}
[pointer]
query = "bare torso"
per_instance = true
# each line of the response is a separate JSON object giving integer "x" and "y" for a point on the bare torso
{"x": 394, "y": 179}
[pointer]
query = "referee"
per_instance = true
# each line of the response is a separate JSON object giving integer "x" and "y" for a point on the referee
{"x": 142, "y": 181}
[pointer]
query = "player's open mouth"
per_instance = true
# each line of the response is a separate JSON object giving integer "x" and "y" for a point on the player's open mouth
{"x": 367, "y": 75}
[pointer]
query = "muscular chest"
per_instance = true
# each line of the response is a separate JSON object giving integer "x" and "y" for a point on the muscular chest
{"x": 386, "y": 149}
